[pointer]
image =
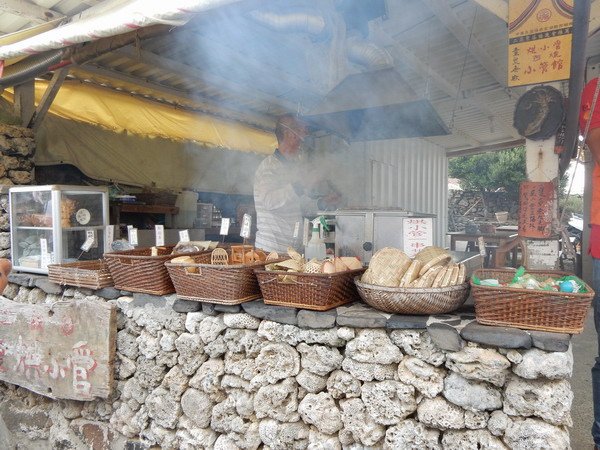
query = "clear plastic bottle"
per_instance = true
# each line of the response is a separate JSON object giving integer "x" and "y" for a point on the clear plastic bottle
{"x": 315, "y": 249}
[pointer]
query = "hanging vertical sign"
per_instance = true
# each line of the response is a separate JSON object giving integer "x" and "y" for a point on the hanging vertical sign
{"x": 536, "y": 203}
{"x": 539, "y": 41}
{"x": 417, "y": 233}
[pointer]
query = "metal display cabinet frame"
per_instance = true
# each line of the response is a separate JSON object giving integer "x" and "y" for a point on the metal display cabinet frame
{"x": 63, "y": 215}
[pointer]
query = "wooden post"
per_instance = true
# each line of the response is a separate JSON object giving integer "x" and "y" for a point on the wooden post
{"x": 25, "y": 101}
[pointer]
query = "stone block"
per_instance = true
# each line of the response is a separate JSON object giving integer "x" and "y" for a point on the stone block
{"x": 359, "y": 315}
{"x": 402, "y": 322}
{"x": 280, "y": 314}
{"x": 228, "y": 308}
{"x": 445, "y": 337}
{"x": 209, "y": 309}
{"x": 95, "y": 435}
{"x": 142, "y": 300}
{"x": 47, "y": 286}
{"x": 550, "y": 342}
{"x": 22, "y": 279}
{"x": 316, "y": 319}
{"x": 108, "y": 293}
{"x": 496, "y": 336}
{"x": 186, "y": 306}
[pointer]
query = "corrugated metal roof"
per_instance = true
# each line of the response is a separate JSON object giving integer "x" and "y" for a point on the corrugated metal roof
{"x": 225, "y": 63}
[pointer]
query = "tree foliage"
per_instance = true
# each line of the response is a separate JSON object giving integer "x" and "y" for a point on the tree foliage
{"x": 490, "y": 171}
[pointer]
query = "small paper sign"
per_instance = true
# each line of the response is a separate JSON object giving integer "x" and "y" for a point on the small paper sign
{"x": 159, "y": 231}
{"x": 225, "y": 223}
{"x": 133, "y": 236}
{"x": 184, "y": 236}
{"x": 296, "y": 229}
{"x": 246, "y": 224}
{"x": 110, "y": 237}
{"x": 90, "y": 240}
{"x": 45, "y": 257}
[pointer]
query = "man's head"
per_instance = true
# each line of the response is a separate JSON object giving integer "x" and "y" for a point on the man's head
{"x": 290, "y": 132}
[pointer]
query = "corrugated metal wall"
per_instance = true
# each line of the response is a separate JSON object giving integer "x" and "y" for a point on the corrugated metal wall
{"x": 410, "y": 174}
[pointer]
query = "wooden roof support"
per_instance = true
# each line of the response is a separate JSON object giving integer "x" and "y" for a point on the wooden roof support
{"x": 29, "y": 11}
{"x": 40, "y": 112}
{"x": 25, "y": 101}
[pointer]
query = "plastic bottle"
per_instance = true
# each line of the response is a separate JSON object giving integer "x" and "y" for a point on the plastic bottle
{"x": 316, "y": 246}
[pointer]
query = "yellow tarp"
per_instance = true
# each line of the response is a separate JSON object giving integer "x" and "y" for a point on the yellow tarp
{"x": 121, "y": 112}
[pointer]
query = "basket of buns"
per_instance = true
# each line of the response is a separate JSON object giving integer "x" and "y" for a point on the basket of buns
{"x": 224, "y": 276}
{"x": 315, "y": 284}
{"x": 429, "y": 283}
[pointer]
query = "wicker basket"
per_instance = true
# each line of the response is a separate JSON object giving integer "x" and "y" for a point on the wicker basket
{"x": 413, "y": 300}
{"x": 317, "y": 291}
{"x": 203, "y": 281}
{"x": 137, "y": 271}
{"x": 558, "y": 312}
{"x": 87, "y": 274}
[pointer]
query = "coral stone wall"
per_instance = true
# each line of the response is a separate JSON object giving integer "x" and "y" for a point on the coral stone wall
{"x": 227, "y": 380}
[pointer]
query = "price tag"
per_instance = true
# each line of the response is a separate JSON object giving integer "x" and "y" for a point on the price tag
{"x": 184, "y": 236}
{"x": 90, "y": 239}
{"x": 44, "y": 256}
{"x": 133, "y": 236}
{"x": 225, "y": 223}
{"x": 246, "y": 224}
{"x": 109, "y": 237}
{"x": 296, "y": 229}
{"x": 159, "y": 231}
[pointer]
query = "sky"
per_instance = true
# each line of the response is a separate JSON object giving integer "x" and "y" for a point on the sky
{"x": 579, "y": 178}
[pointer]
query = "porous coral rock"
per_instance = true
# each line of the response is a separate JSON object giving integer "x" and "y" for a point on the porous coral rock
{"x": 191, "y": 352}
{"x": 419, "y": 345}
{"x": 341, "y": 384}
{"x": 244, "y": 341}
{"x": 149, "y": 374}
{"x": 480, "y": 364}
{"x": 471, "y": 440}
{"x": 278, "y": 401}
{"x": 127, "y": 344}
{"x": 238, "y": 364}
{"x": 292, "y": 335}
{"x": 426, "y": 378}
{"x": 208, "y": 376}
{"x": 359, "y": 424}
{"x": 283, "y": 436}
{"x": 321, "y": 411}
{"x": 126, "y": 367}
{"x": 368, "y": 371}
{"x": 225, "y": 419}
{"x": 216, "y": 348}
{"x": 175, "y": 381}
{"x": 210, "y": 328}
{"x": 470, "y": 394}
{"x": 163, "y": 408}
{"x": 322, "y": 441}
{"x": 193, "y": 321}
{"x": 346, "y": 333}
{"x": 548, "y": 399}
{"x": 476, "y": 420}
{"x": 498, "y": 423}
{"x": 197, "y": 406}
{"x": 148, "y": 345}
{"x": 319, "y": 359}
{"x": 537, "y": 363}
{"x": 441, "y": 414}
{"x": 311, "y": 382}
{"x": 241, "y": 320}
{"x": 388, "y": 402}
{"x": 276, "y": 361}
{"x": 532, "y": 433}
{"x": 167, "y": 340}
{"x": 373, "y": 346}
{"x": 168, "y": 359}
{"x": 194, "y": 438}
{"x": 411, "y": 435}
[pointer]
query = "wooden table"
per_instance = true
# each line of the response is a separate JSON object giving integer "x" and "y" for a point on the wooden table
{"x": 496, "y": 239}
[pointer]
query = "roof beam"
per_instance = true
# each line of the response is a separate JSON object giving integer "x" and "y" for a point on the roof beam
{"x": 210, "y": 106}
{"x": 504, "y": 145}
{"x": 49, "y": 95}
{"x": 29, "y": 11}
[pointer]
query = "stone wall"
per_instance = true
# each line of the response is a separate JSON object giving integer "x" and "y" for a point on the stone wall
{"x": 17, "y": 148}
{"x": 472, "y": 206}
{"x": 224, "y": 377}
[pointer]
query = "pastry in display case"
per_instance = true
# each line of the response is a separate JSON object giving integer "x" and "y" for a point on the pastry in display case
{"x": 50, "y": 224}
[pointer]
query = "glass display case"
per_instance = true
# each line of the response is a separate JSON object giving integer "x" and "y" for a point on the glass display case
{"x": 56, "y": 224}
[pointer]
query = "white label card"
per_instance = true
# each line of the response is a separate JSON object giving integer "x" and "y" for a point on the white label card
{"x": 246, "y": 225}
{"x": 44, "y": 256}
{"x": 159, "y": 231}
{"x": 133, "y": 236}
{"x": 90, "y": 240}
{"x": 225, "y": 223}
{"x": 110, "y": 237}
{"x": 184, "y": 236}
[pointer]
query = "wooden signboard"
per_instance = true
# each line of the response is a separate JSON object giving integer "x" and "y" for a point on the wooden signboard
{"x": 536, "y": 209}
{"x": 63, "y": 350}
{"x": 539, "y": 41}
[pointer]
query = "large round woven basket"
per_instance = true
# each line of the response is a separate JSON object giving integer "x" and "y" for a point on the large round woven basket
{"x": 413, "y": 300}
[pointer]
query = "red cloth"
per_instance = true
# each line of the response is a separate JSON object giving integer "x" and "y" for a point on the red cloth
{"x": 587, "y": 96}
{"x": 594, "y": 249}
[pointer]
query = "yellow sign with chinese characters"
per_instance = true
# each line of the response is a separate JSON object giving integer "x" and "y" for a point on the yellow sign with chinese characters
{"x": 539, "y": 41}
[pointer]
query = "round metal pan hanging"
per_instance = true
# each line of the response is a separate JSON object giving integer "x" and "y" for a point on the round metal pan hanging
{"x": 539, "y": 113}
